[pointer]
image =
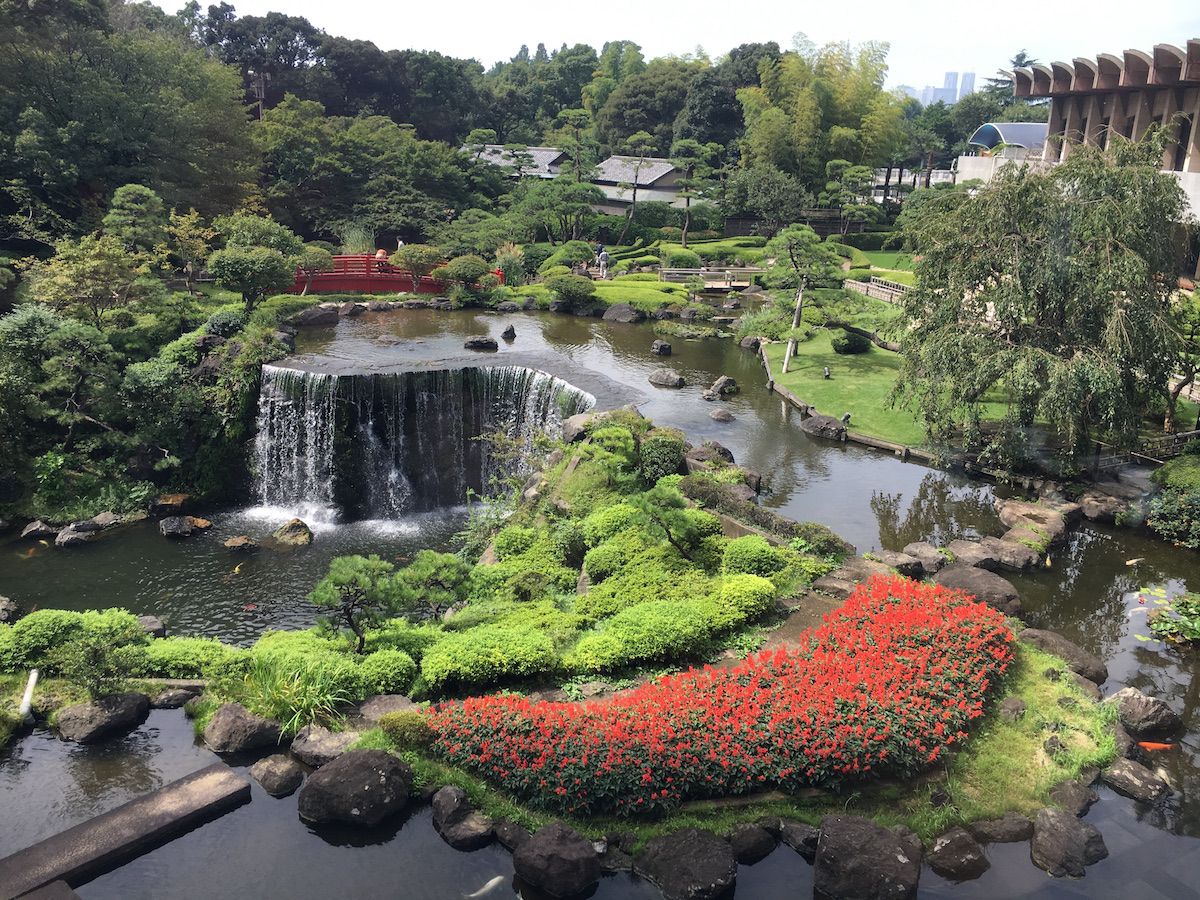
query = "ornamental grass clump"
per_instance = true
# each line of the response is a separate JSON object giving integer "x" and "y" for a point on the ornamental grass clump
{"x": 883, "y": 688}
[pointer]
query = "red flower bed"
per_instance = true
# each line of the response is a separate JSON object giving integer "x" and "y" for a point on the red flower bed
{"x": 882, "y": 688}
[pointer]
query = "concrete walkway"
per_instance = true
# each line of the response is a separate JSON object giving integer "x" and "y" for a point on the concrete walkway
{"x": 102, "y": 843}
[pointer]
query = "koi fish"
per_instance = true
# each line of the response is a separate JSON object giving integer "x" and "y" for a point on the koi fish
{"x": 29, "y": 554}
{"x": 237, "y": 570}
{"x": 490, "y": 886}
{"x": 1153, "y": 746}
{"x": 1134, "y": 562}
{"x": 44, "y": 543}
{"x": 250, "y": 606}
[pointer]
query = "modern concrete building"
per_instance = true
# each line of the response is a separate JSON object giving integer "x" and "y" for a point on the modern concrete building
{"x": 1092, "y": 99}
{"x": 966, "y": 84}
{"x": 997, "y": 143}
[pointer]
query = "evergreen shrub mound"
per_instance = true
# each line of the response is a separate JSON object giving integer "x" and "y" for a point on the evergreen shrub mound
{"x": 488, "y": 654}
{"x": 661, "y": 453}
{"x": 225, "y": 323}
{"x": 387, "y": 672}
{"x": 751, "y": 555}
{"x": 409, "y": 729}
{"x": 183, "y": 657}
{"x": 400, "y": 634}
{"x": 606, "y": 522}
{"x": 613, "y": 554}
{"x": 513, "y": 541}
{"x": 32, "y": 640}
{"x": 681, "y": 259}
{"x": 883, "y": 688}
{"x": 850, "y": 342}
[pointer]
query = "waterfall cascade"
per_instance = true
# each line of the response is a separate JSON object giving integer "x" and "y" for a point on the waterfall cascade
{"x": 378, "y": 446}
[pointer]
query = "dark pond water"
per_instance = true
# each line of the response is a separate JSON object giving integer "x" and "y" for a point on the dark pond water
{"x": 874, "y": 500}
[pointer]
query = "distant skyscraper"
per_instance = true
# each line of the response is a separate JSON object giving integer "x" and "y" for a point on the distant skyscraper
{"x": 951, "y": 91}
{"x": 950, "y": 81}
{"x": 966, "y": 85}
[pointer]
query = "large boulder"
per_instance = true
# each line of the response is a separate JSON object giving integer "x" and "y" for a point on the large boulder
{"x": 750, "y": 343}
{"x": 360, "y": 787}
{"x": 1010, "y": 828}
{"x": 485, "y": 344}
{"x": 1143, "y": 715}
{"x": 169, "y": 504}
{"x": 316, "y": 745}
{"x": 1077, "y": 659}
{"x": 972, "y": 553}
{"x": 623, "y": 312}
{"x": 293, "y": 533}
{"x": 801, "y": 837}
{"x": 510, "y": 835}
{"x": 909, "y": 566}
{"x": 575, "y": 427}
{"x": 859, "y": 860}
{"x": 153, "y": 626}
{"x": 957, "y": 856}
{"x": 234, "y": 729}
{"x": 751, "y": 843}
{"x": 707, "y": 454}
{"x": 74, "y": 534}
{"x": 278, "y": 774}
{"x": 1074, "y": 797}
{"x": 721, "y": 415}
{"x": 374, "y": 708}
{"x": 95, "y": 720}
{"x": 458, "y": 822}
{"x": 1010, "y": 554}
{"x": 1063, "y": 845}
{"x": 558, "y": 861}
{"x": 1046, "y": 524}
{"x": 106, "y": 520}
{"x": 660, "y": 348}
{"x": 509, "y": 333}
{"x": 824, "y": 427}
{"x": 932, "y": 559}
{"x": 840, "y": 583}
{"x": 986, "y": 587}
{"x": 38, "y": 530}
{"x": 690, "y": 864}
{"x": 724, "y": 386}
{"x": 666, "y": 378}
{"x": 173, "y": 698}
{"x": 1135, "y": 781}
{"x": 316, "y": 315}
{"x": 241, "y": 544}
{"x": 182, "y": 526}
{"x": 9, "y": 610}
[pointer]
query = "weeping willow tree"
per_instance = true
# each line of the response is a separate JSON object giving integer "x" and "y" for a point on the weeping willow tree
{"x": 1049, "y": 293}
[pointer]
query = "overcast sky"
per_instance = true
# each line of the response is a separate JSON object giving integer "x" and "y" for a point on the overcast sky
{"x": 927, "y": 38}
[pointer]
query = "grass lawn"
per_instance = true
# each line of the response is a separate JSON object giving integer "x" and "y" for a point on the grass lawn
{"x": 859, "y": 384}
{"x": 889, "y": 259}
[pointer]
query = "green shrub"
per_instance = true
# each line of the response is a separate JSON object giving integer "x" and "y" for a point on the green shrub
{"x": 225, "y": 322}
{"x": 555, "y": 271}
{"x": 387, "y": 672}
{"x": 467, "y": 269}
{"x": 573, "y": 290}
{"x": 821, "y": 540}
{"x": 645, "y": 632}
{"x": 33, "y": 638}
{"x": 572, "y": 253}
{"x": 611, "y": 555}
{"x": 869, "y": 240}
{"x": 681, "y": 259}
{"x": 567, "y": 539}
{"x": 1174, "y": 515}
{"x": 409, "y": 729}
{"x": 741, "y": 599}
{"x": 850, "y": 342}
{"x": 488, "y": 654}
{"x": 604, "y": 523}
{"x": 401, "y": 634}
{"x": 1181, "y": 473}
{"x": 661, "y": 453}
{"x": 654, "y": 574}
{"x": 93, "y": 664}
{"x": 182, "y": 657}
{"x": 751, "y": 555}
{"x": 513, "y": 541}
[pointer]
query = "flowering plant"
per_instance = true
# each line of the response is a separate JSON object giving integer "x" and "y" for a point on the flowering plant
{"x": 883, "y": 687}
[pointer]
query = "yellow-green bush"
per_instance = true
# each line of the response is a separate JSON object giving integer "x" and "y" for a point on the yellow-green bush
{"x": 182, "y": 657}
{"x": 741, "y": 599}
{"x": 409, "y": 729}
{"x": 387, "y": 672}
{"x": 751, "y": 555}
{"x": 604, "y": 523}
{"x": 647, "y": 632}
{"x": 513, "y": 541}
{"x": 613, "y": 554}
{"x": 487, "y": 654}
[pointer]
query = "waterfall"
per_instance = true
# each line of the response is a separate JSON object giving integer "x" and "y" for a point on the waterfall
{"x": 378, "y": 446}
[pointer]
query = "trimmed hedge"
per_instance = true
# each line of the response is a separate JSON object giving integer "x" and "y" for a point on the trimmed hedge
{"x": 488, "y": 654}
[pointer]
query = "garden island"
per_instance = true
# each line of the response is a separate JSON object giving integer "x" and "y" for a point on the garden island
{"x": 593, "y": 475}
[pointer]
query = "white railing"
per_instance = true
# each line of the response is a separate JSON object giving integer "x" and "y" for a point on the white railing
{"x": 729, "y": 275}
{"x": 879, "y": 288}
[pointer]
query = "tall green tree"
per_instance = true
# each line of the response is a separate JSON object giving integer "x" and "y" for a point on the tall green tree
{"x": 358, "y": 593}
{"x": 801, "y": 258}
{"x": 137, "y": 218}
{"x": 1053, "y": 291}
{"x": 639, "y": 145}
{"x": 695, "y": 162}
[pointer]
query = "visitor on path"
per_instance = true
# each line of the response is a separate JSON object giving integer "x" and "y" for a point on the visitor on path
{"x": 602, "y": 261}
{"x": 381, "y": 258}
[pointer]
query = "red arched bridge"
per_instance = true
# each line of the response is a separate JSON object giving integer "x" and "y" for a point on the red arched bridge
{"x": 366, "y": 274}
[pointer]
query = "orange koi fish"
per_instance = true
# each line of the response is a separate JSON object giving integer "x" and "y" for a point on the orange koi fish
{"x": 1154, "y": 745}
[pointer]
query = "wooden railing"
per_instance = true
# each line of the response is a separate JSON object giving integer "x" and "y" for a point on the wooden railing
{"x": 879, "y": 288}
{"x": 727, "y": 276}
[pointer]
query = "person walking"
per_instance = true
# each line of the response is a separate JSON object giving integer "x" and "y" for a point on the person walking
{"x": 602, "y": 260}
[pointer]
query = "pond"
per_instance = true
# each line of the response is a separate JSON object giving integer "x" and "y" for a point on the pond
{"x": 873, "y": 500}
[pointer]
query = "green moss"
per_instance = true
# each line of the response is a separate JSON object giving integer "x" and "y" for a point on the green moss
{"x": 1181, "y": 473}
